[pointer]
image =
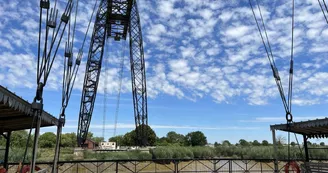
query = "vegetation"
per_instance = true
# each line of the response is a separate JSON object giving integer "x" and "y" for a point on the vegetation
{"x": 172, "y": 146}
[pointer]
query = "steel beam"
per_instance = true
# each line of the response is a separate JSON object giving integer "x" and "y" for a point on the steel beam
{"x": 307, "y": 159}
{"x": 92, "y": 72}
{"x": 274, "y": 142}
{"x": 138, "y": 76}
{"x": 5, "y": 162}
{"x": 115, "y": 18}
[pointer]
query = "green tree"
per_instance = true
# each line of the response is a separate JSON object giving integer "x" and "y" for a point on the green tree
{"x": 195, "y": 139}
{"x": 265, "y": 143}
{"x": 18, "y": 139}
{"x": 243, "y": 142}
{"x": 293, "y": 144}
{"x": 322, "y": 144}
{"x": 175, "y": 138}
{"x": 47, "y": 140}
{"x": 226, "y": 143}
{"x": 118, "y": 139}
{"x": 68, "y": 140}
{"x": 90, "y": 135}
{"x": 216, "y": 144}
{"x": 151, "y": 135}
{"x": 161, "y": 141}
{"x": 129, "y": 139}
{"x": 97, "y": 139}
{"x": 256, "y": 143}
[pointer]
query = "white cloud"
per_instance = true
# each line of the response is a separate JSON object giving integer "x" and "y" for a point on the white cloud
{"x": 281, "y": 119}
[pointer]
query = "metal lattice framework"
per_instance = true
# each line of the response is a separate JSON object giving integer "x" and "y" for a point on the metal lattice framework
{"x": 92, "y": 72}
{"x": 115, "y": 18}
{"x": 138, "y": 76}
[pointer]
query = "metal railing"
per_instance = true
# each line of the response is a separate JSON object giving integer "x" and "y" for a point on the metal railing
{"x": 164, "y": 166}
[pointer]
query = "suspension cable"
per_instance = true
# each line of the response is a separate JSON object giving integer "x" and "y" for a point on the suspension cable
{"x": 124, "y": 44}
{"x": 270, "y": 56}
{"x": 90, "y": 20}
{"x": 291, "y": 70}
{"x": 299, "y": 147}
{"x": 289, "y": 117}
{"x": 26, "y": 147}
{"x": 107, "y": 55}
{"x": 323, "y": 11}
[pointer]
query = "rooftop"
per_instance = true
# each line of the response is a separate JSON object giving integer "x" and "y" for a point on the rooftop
{"x": 312, "y": 128}
{"x": 16, "y": 113}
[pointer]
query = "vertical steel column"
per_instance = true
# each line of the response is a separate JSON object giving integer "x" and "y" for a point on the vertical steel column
{"x": 116, "y": 168}
{"x": 214, "y": 166}
{"x": 5, "y": 162}
{"x": 307, "y": 159}
{"x": 57, "y": 149}
{"x": 230, "y": 166}
{"x": 36, "y": 140}
{"x": 176, "y": 168}
{"x": 275, "y": 150}
{"x": 92, "y": 72}
{"x": 138, "y": 76}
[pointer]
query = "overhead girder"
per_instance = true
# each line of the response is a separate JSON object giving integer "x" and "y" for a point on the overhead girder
{"x": 115, "y": 18}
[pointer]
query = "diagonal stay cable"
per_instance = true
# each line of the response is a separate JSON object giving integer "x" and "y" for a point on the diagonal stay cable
{"x": 120, "y": 87}
{"x": 323, "y": 12}
{"x": 291, "y": 70}
{"x": 270, "y": 56}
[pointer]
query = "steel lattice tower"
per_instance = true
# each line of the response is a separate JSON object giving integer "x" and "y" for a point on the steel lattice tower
{"x": 114, "y": 19}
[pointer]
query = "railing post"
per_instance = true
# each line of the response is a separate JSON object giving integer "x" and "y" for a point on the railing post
{"x": 116, "y": 169}
{"x": 5, "y": 162}
{"x": 155, "y": 167}
{"x": 176, "y": 168}
{"x": 214, "y": 166}
{"x": 230, "y": 166}
{"x": 275, "y": 151}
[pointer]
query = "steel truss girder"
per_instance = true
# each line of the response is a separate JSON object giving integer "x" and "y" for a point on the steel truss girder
{"x": 138, "y": 76}
{"x": 114, "y": 18}
{"x": 92, "y": 72}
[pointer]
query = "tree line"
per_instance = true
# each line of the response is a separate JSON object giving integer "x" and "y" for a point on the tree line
{"x": 196, "y": 138}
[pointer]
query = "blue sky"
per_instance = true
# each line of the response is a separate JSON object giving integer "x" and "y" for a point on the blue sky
{"x": 206, "y": 66}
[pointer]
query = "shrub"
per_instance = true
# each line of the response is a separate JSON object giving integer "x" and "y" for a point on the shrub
{"x": 162, "y": 153}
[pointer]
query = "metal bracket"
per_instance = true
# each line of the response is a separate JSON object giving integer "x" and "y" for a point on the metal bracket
{"x": 52, "y": 19}
{"x": 37, "y": 106}
{"x": 45, "y": 4}
{"x": 39, "y": 92}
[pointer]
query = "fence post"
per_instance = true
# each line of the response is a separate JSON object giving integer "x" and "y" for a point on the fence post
{"x": 176, "y": 169}
{"x": 214, "y": 166}
{"x": 116, "y": 169}
{"x": 230, "y": 166}
{"x": 275, "y": 151}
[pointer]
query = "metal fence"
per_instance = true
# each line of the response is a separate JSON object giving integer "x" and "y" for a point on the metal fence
{"x": 163, "y": 166}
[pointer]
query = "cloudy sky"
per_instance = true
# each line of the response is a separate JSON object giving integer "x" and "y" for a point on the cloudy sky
{"x": 206, "y": 66}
